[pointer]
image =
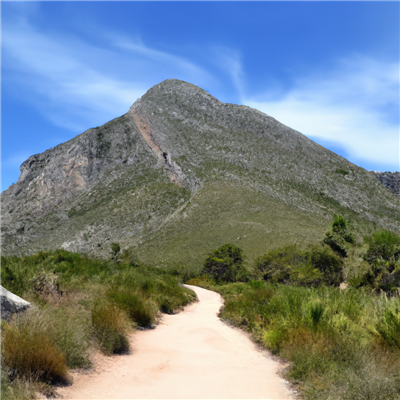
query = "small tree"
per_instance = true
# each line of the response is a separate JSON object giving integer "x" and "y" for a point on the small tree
{"x": 276, "y": 265}
{"x": 339, "y": 238}
{"x": 328, "y": 263}
{"x": 226, "y": 264}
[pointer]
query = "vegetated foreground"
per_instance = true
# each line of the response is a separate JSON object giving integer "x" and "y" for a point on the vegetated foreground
{"x": 190, "y": 355}
{"x": 80, "y": 305}
{"x": 340, "y": 343}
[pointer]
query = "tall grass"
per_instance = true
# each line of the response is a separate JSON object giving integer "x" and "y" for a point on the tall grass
{"x": 340, "y": 344}
{"x": 111, "y": 327}
{"x": 31, "y": 354}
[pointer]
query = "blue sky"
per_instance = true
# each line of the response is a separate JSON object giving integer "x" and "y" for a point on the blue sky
{"x": 327, "y": 69}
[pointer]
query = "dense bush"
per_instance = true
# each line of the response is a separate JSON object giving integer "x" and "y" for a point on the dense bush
{"x": 383, "y": 245}
{"x": 69, "y": 328}
{"x": 226, "y": 264}
{"x": 141, "y": 310}
{"x": 312, "y": 267}
{"x": 383, "y": 260}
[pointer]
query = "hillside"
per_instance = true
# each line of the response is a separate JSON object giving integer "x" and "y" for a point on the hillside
{"x": 182, "y": 173}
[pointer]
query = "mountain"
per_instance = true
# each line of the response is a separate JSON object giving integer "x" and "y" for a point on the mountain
{"x": 182, "y": 173}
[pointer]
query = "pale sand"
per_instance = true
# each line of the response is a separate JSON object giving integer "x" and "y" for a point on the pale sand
{"x": 190, "y": 355}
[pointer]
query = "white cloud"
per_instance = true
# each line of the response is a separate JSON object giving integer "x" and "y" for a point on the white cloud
{"x": 75, "y": 83}
{"x": 229, "y": 61}
{"x": 354, "y": 105}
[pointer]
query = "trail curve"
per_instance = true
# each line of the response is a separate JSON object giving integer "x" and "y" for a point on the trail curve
{"x": 190, "y": 355}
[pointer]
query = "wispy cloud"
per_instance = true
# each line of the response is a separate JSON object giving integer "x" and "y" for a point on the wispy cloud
{"x": 355, "y": 105}
{"x": 230, "y": 61}
{"x": 76, "y": 83}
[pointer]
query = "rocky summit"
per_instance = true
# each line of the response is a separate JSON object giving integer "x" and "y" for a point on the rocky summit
{"x": 182, "y": 173}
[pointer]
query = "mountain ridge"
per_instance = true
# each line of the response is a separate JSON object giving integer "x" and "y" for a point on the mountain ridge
{"x": 138, "y": 175}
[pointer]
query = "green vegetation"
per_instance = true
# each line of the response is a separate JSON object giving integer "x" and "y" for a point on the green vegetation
{"x": 80, "y": 304}
{"x": 311, "y": 267}
{"x": 339, "y": 239}
{"x": 342, "y": 171}
{"x": 340, "y": 344}
{"x": 383, "y": 258}
{"x": 226, "y": 264}
{"x": 111, "y": 327}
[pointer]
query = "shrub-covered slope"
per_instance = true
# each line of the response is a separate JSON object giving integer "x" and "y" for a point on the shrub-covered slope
{"x": 181, "y": 170}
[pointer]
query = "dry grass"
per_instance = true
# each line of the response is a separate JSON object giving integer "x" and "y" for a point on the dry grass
{"x": 111, "y": 327}
{"x": 30, "y": 354}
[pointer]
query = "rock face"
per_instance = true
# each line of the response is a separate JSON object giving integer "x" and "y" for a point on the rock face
{"x": 11, "y": 304}
{"x": 391, "y": 180}
{"x": 182, "y": 173}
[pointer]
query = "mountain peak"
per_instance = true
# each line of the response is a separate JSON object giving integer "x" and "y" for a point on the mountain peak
{"x": 182, "y": 169}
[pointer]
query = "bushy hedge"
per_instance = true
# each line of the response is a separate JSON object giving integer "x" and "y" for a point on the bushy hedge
{"x": 226, "y": 264}
{"x": 311, "y": 267}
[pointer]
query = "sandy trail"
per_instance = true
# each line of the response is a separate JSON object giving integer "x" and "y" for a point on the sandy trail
{"x": 190, "y": 355}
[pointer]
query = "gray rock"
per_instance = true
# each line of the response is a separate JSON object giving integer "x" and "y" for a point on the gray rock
{"x": 11, "y": 304}
{"x": 391, "y": 180}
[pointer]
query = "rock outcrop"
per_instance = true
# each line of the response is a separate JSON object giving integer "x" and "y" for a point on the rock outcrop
{"x": 11, "y": 304}
{"x": 391, "y": 180}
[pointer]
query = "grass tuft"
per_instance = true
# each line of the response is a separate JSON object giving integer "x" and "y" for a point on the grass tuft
{"x": 111, "y": 327}
{"x": 30, "y": 354}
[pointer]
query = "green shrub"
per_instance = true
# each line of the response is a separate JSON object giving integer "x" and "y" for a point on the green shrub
{"x": 326, "y": 261}
{"x": 275, "y": 266}
{"x": 383, "y": 244}
{"x": 311, "y": 267}
{"x": 115, "y": 249}
{"x": 340, "y": 344}
{"x": 388, "y": 326}
{"x": 111, "y": 327}
{"x": 226, "y": 264}
{"x": 383, "y": 257}
{"x": 314, "y": 312}
{"x": 338, "y": 239}
{"x": 141, "y": 310}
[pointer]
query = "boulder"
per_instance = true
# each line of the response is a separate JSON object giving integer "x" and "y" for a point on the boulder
{"x": 11, "y": 304}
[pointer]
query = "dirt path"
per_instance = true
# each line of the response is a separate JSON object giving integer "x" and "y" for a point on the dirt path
{"x": 190, "y": 355}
